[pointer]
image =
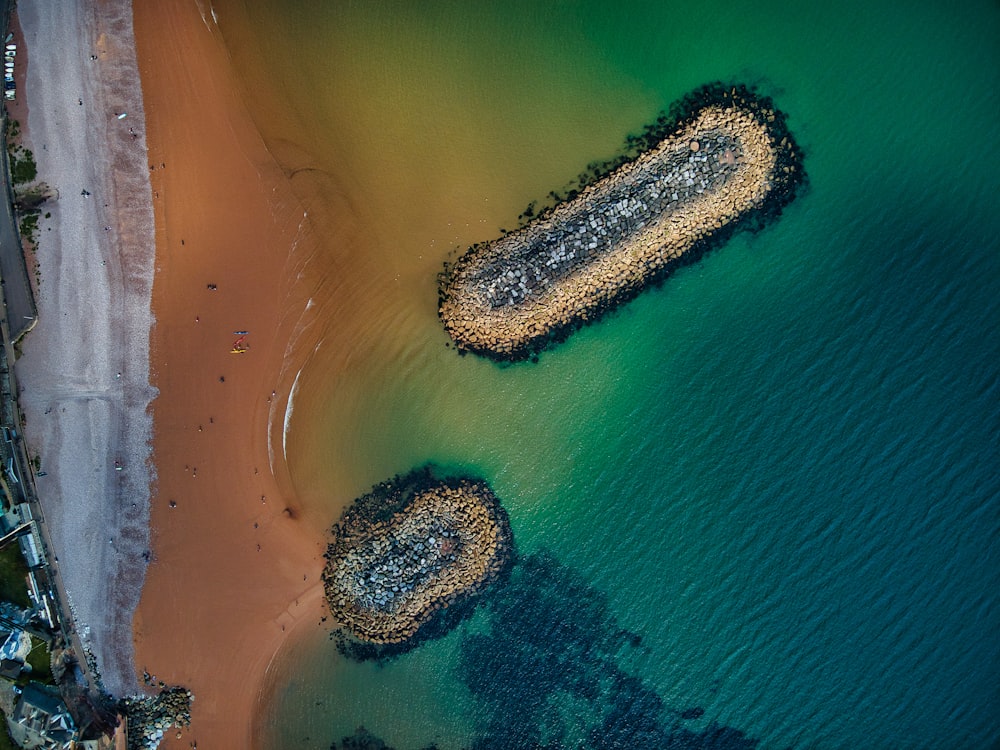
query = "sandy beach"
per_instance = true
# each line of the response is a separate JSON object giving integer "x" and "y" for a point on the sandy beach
{"x": 84, "y": 375}
{"x": 235, "y": 571}
{"x": 140, "y": 414}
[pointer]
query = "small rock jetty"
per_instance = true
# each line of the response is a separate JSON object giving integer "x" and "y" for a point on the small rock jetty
{"x": 723, "y": 161}
{"x": 410, "y": 548}
{"x": 151, "y": 718}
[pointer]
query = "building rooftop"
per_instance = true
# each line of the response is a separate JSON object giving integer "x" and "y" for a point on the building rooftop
{"x": 41, "y": 720}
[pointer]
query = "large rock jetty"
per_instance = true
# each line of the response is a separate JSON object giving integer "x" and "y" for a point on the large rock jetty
{"x": 722, "y": 161}
{"x": 410, "y": 549}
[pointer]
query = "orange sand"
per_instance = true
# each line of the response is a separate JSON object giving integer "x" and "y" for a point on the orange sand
{"x": 216, "y": 606}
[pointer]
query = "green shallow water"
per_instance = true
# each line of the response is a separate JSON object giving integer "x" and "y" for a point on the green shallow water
{"x": 780, "y": 470}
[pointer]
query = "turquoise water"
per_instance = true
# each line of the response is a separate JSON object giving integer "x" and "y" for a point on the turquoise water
{"x": 780, "y": 471}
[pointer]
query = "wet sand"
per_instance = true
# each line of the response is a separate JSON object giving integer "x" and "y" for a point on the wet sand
{"x": 235, "y": 570}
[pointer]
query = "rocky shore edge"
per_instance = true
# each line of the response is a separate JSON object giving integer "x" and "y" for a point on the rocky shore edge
{"x": 152, "y": 718}
{"x": 408, "y": 560}
{"x": 721, "y": 160}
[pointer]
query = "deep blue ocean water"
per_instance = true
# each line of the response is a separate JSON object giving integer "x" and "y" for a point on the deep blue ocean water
{"x": 769, "y": 489}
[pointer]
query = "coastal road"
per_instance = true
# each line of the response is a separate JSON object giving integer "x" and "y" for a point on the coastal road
{"x": 13, "y": 271}
{"x": 20, "y": 311}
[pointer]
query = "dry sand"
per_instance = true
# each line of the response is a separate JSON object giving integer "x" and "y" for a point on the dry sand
{"x": 235, "y": 570}
{"x": 84, "y": 374}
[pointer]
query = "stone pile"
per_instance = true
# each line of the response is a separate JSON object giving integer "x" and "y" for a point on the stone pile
{"x": 727, "y": 160}
{"x": 150, "y": 718}
{"x": 387, "y": 573}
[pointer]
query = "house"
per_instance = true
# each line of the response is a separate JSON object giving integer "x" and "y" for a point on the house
{"x": 13, "y": 653}
{"x": 41, "y": 720}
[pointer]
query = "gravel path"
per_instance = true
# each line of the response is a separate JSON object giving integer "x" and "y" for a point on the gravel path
{"x": 85, "y": 371}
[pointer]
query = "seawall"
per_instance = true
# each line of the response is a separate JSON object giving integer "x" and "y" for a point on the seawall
{"x": 724, "y": 161}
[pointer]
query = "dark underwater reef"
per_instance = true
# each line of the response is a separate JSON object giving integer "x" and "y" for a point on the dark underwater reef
{"x": 545, "y": 674}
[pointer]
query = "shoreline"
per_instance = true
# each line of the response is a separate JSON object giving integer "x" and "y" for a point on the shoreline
{"x": 235, "y": 570}
{"x": 723, "y": 161}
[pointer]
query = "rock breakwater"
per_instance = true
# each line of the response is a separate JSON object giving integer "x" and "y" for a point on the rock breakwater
{"x": 410, "y": 549}
{"x": 723, "y": 161}
{"x": 152, "y": 718}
